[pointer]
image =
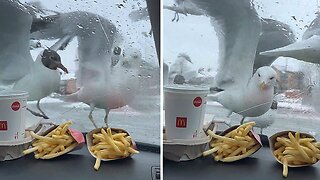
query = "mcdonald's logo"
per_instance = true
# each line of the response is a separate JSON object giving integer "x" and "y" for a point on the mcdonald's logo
{"x": 181, "y": 122}
{"x": 3, "y": 126}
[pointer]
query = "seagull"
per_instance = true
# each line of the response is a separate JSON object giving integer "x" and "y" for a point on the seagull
{"x": 110, "y": 89}
{"x": 108, "y": 72}
{"x": 308, "y": 49}
{"x": 181, "y": 70}
{"x": 17, "y": 68}
{"x": 44, "y": 78}
{"x": 238, "y": 28}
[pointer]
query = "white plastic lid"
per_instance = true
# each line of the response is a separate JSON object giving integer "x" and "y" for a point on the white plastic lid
{"x": 186, "y": 89}
{"x": 12, "y": 93}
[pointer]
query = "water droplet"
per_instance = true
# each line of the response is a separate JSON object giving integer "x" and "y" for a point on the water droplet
{"x": 80, "y": 26}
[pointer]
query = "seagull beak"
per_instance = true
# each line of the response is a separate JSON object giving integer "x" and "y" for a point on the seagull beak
{"x": 64, "y": 69}
{"x": 263, "y": 86}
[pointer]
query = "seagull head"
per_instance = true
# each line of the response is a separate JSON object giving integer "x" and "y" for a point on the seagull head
{"x": 52, "y": 60}
{"x": 266, "y": 77}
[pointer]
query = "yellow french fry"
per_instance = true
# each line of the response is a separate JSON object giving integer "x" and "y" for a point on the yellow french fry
{"x": 98, "y": 162}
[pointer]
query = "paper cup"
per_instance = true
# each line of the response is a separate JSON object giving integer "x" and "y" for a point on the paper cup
{"x": 184, "y": 110}
{"x": 12, "y": 115}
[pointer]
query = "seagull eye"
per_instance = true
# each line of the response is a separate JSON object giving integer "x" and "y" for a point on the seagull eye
{"x": 259, "y": 75}
{"x": 271, "y": 78}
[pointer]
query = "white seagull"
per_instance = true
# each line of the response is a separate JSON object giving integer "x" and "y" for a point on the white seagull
{"x": 108, "y": 72}
{"x": 39, "y": 78}
{"x": 308, "y": 49}
{"x": 44, "y": 78}
{"x": 238, "y": 28}
{"x": 109, "y": 88}
{"x": 182, "y": 70}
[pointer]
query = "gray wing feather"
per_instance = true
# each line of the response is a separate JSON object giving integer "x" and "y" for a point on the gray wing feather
{"x": 238, "y": 28}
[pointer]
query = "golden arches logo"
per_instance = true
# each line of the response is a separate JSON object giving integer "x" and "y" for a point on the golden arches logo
{"x": 181, "y": 122}
{"x": 3, "y": 125}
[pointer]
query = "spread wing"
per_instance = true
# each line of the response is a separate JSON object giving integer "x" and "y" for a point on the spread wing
{"x": 238, "y": 28}
{"x": 308, "y": 49}
{"x": 15, "y": 57}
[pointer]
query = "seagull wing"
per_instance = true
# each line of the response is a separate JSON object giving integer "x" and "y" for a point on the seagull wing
{"x": 238, "y": 28}
{"x": 306, "y": 50}
{"x": 15, "y": 57}
{"x": 275, "y": 34}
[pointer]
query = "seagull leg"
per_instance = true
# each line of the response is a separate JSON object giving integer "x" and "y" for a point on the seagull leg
{"x": 43, "y": 114}
{"x": 90, "y": 115}
{"x": 106, "y": 117}
{"x": 241, "y": 122}
{"x": 260, "y": 130}
{"x": 174, "y": 17}
{"x": 178, "y": 18}
{"x": 37, "y": 114}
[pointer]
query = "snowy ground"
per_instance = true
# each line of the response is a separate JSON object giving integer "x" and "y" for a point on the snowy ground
{"x": 289, "y": 116}
{"x": 142, "y": 126}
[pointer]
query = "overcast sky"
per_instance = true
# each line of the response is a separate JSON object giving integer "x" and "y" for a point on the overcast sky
{"x": 195, "y": 35}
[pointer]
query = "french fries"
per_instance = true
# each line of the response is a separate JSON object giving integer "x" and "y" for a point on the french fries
{"x": 235, "y": 145}
{"x": 53, "y": 144}
{"x": 110, "y": 145}
{"x": 294, "y": 149}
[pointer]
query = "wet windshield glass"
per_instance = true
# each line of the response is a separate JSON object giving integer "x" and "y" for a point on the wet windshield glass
{"x": 203, "y": 47}
{"x": 99, "y": 65}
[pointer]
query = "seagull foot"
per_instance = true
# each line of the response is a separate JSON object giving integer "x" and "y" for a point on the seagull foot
{"x": 241, "y": 122}
{"x": 38, "y": 114}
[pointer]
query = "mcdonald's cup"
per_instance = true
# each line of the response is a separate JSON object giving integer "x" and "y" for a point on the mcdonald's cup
{"x": 184, "y": 110}
{"x": 12, "y": 115}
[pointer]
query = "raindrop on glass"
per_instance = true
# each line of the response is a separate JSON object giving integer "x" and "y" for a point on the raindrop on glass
{"x": 79, "y": 26}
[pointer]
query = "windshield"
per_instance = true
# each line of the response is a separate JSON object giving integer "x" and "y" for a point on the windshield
{"x": 105, "y": 68}
{"x": 195, "y": 47}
